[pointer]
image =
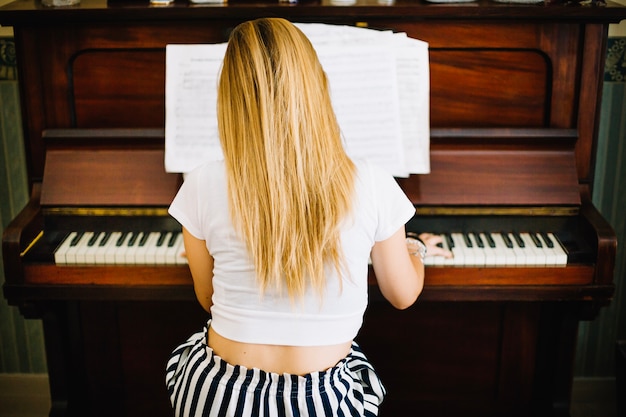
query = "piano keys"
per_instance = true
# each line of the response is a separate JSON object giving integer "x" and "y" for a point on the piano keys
{"x": 121, "y": 248}
{"x": 166, "y": 248}
{"x": 500, "y": 249}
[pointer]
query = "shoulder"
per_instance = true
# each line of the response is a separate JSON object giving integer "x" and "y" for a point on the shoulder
{"x": 205, "y": 173}
{"x": 206, "y": 169}
{"x": 372, "y": 175}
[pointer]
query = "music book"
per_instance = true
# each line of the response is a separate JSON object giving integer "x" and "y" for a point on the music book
{"x": 379, "y": 85}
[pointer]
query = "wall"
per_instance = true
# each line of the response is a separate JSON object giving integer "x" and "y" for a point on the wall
{"x": 596, "y": 341}
{"x": 21, "y": 341}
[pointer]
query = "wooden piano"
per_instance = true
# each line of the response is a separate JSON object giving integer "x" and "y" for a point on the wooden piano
{"x": 515, "y": 95}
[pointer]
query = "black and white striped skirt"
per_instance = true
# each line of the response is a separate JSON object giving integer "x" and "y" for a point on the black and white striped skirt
{"x": 200, "y": 383}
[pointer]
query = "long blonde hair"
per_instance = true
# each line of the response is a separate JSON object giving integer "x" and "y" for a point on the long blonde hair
{"x": 290, "y": 182}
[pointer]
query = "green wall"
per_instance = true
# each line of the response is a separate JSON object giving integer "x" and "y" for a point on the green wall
{"x": 21, "y": 341}
{"x": 596, "y": 340}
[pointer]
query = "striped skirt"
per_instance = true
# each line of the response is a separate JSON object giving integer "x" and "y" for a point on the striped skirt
{"x": 200, "y": 383}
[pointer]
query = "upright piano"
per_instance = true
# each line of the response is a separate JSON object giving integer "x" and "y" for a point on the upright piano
{"x": 515, "y": 100}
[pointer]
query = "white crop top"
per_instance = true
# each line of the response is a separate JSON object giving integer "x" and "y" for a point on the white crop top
{"x": 239, "y": 312}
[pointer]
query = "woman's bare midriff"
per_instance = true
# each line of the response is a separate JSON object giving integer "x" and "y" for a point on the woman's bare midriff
{"x": 295, "y": 360}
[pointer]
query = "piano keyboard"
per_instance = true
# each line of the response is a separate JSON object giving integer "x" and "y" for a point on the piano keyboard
{"x": 166, "y": 248}
{"x": 501, "y": 249}
{"x": 121, "y": 248}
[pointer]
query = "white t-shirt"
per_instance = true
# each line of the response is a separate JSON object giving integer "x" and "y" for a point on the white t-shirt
{"x": 240, "y": 312}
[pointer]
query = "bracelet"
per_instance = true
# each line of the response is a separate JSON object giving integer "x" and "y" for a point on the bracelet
{"x": 421, "y": 247}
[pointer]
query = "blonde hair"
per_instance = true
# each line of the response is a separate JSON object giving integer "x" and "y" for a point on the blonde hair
{"x": 290, "y": 182}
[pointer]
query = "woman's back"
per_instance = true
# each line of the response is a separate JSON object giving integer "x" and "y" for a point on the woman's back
{"x": 278, "y": 238}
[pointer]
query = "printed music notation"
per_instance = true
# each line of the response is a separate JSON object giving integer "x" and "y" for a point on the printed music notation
{"x": 380, "y": 89}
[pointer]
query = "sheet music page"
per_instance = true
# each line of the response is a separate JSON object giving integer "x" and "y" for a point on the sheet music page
{"x": 413, "y": 79}
{"x": 378, "y": 120}
{"x": 369, "y": 117}
{"x": 414, "y": 95}
{"x": 191, "y": 76}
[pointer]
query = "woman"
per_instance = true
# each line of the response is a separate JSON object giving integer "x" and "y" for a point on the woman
{"x": 278, "y": 237}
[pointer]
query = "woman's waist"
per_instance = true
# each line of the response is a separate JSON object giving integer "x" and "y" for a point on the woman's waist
{"x": 280, "y": 359}
{"x": 287, "y": 328}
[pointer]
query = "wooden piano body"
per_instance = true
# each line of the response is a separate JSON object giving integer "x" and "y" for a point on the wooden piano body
{"x": 515, "y": 93}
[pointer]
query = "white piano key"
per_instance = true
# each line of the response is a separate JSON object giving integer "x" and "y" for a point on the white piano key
{"x": 477, "y": 254}
{"x": 556, "y": 254}
{"x": 153, "y": 249}
{"x": 524, "y": 254}
{"x": 76, "y": 254}
{"x": 175, "y": 253}
{"x": 121, "y": 247}
{"x": 490, "y": 253}
{"x": 70, "y": 255}
{"x": 161, "y": 251}
{"x": 106, "y": 254}
{"x": 61, "y": 252}
{"x": 535, "y": 255}
{"x": 504, "y": 255}
{"x": 130, "y": 255}
{"x": 459, "y": 251}
{"x": 518, "y": 251}
{"x": 145, "y": 252}
{"x": 92, "y": 248}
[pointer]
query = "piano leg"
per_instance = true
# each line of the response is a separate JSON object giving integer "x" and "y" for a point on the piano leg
{"x": 556, "y": 353}
{"x": 58, "y": 354}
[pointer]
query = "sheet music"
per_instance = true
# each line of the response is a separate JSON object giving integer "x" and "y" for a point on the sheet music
{"x": 414, "y": 97}
{"x": 379, "y": 120}
{"x": 191, "y": 75}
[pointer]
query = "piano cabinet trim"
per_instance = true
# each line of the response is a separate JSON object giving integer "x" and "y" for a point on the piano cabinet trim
{"x": 595, "y": 296}
{"x": 442, "y": 283}
{"x": 19, "y": 234}
{"x": 598, "y": 229}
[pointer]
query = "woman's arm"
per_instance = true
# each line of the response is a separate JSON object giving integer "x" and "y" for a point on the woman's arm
{"x": 400, "y": 276}
{"x": 201, "y": 267}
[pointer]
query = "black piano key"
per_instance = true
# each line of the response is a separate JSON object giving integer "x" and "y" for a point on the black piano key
{"x": 547, "y": 239}
{"x": 121, "y": 239}
{"x": 518, "y": 240}
{"x": 536, "y": 240}
{"x": 479, "y": 240}
{"x": 490, "y": 241}
{"x": 105, "y": 239}
{"x": 77, "y": 238}
{"x": 133, "y": 238}
{"x": 450, "y": 241}
{"x": 173, "y": 238}
{"x": 161, "y": 239}
{"x": 93, "y": 239}
{"x": 507, "y": 240}
{"x": 468, "y": 241}
{"x": 143, "y": 239}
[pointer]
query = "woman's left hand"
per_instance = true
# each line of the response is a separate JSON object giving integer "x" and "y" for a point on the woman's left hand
{"x": 433, "y": 247}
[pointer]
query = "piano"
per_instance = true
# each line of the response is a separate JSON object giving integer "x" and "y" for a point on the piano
{"x": 515, "y": 101}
